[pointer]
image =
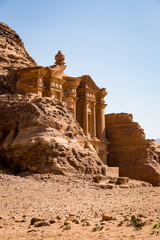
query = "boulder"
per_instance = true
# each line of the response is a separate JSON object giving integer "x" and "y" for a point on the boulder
{"x": 42, "y": 135}
{"x": 106, "y": 217}
{"x": 100, "y": 178}
{"x": 122, "y": 180}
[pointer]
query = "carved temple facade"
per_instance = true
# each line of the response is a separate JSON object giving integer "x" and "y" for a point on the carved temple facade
{"x": 84, "y": 99}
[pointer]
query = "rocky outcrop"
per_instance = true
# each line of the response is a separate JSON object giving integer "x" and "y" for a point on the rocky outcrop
{"x": 42, "y": 135}
{"x": 13, "y": 55}
{"x": 12, "y": 51}
{"x": 154, "y": 149}
{"x": 135, "y": 156}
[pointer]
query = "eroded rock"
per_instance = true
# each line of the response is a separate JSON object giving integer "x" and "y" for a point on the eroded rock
{"x": 136, "y": 157}
{"x": 106, "y": 217}
{"x": 33, "y": 137}
{"x": 12, "y": 51}
{"x": 122, "y": 180}
{"x": 13, "y": 56}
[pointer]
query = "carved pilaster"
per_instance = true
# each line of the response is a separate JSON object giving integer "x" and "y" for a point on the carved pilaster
{"x": 85, "y": 117}
{"x": 60, "y": 96}
{"x": 101, "y": 120}
{"x": 93, "y": 120}
{"x": 74, "y": 106}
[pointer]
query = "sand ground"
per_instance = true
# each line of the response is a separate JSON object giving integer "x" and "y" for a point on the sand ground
{"x": 81, "y": 202}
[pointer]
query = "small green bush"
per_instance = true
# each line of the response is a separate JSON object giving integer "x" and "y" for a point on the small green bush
{"x": 99, "y": 228}
{"x": 154, "y": 232}
{"x": 137, "y": 220}
{"x": 67, "y": 227}
{"x": 138, "y": 228}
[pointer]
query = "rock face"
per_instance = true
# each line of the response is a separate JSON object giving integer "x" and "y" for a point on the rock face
{"x": 154, "y": 150}
{"x": 12, "y": 51}
{"x": 135, "y": 156}
{"x": 13, "y": 55}
{"x": 42, "y": 135}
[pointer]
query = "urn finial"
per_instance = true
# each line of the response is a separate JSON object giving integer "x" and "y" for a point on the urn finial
{"x": 60, "y": 59}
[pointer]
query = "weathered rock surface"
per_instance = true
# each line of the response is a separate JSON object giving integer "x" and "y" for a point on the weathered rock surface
{"x": 13, "y": 55}
{"x": 12, "y": 51}
{"x": 154, "y": 149}
{"x": 122, "y": 180}
{"x": 135, "y": 156}
{"x": 41, "y": 135}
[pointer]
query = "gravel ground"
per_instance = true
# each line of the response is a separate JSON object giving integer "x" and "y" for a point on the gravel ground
{"x": 71, "y": 207}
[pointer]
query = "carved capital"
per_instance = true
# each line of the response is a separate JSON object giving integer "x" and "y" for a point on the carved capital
{"x": 101, "y": 105}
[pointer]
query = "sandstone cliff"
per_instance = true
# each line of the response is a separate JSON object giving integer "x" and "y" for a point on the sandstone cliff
{"x": 13, "y": 55}
{"x": 41, "y": 134}
{"x": 12, "y": 51}
{"x": 135, "y": 156}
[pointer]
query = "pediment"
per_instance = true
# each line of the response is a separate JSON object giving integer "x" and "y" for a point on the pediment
{"x": 87, "y": 82}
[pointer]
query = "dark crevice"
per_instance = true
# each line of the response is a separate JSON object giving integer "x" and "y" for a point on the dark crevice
{"x": 16, "y": 130}
{"x": 6, "y": 131}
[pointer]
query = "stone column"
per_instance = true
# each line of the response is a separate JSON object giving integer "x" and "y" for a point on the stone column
{"x": 85, "y": 117}
{"x": 74, "y": 105}
{"x": 60, "y": 96}
{"x": 101, "y": 121}
{"x": 103, "y": 133}
{"x": 93, "y": 120}
{"x": 74, "y": 108}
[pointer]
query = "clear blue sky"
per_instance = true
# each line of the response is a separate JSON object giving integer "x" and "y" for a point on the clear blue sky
{"x": 116, "y": 42}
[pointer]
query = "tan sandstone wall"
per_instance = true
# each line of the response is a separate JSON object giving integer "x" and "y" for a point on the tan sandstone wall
{"x": 13, "y": 55}
{"x": 129, "y": 150}
{"x": 12, "y": 51}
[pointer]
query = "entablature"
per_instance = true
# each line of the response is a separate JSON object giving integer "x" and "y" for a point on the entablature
{"x": 71, "y": 82}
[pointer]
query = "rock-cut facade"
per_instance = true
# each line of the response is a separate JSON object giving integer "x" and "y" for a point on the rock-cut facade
{"x": 83, "y": 97}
